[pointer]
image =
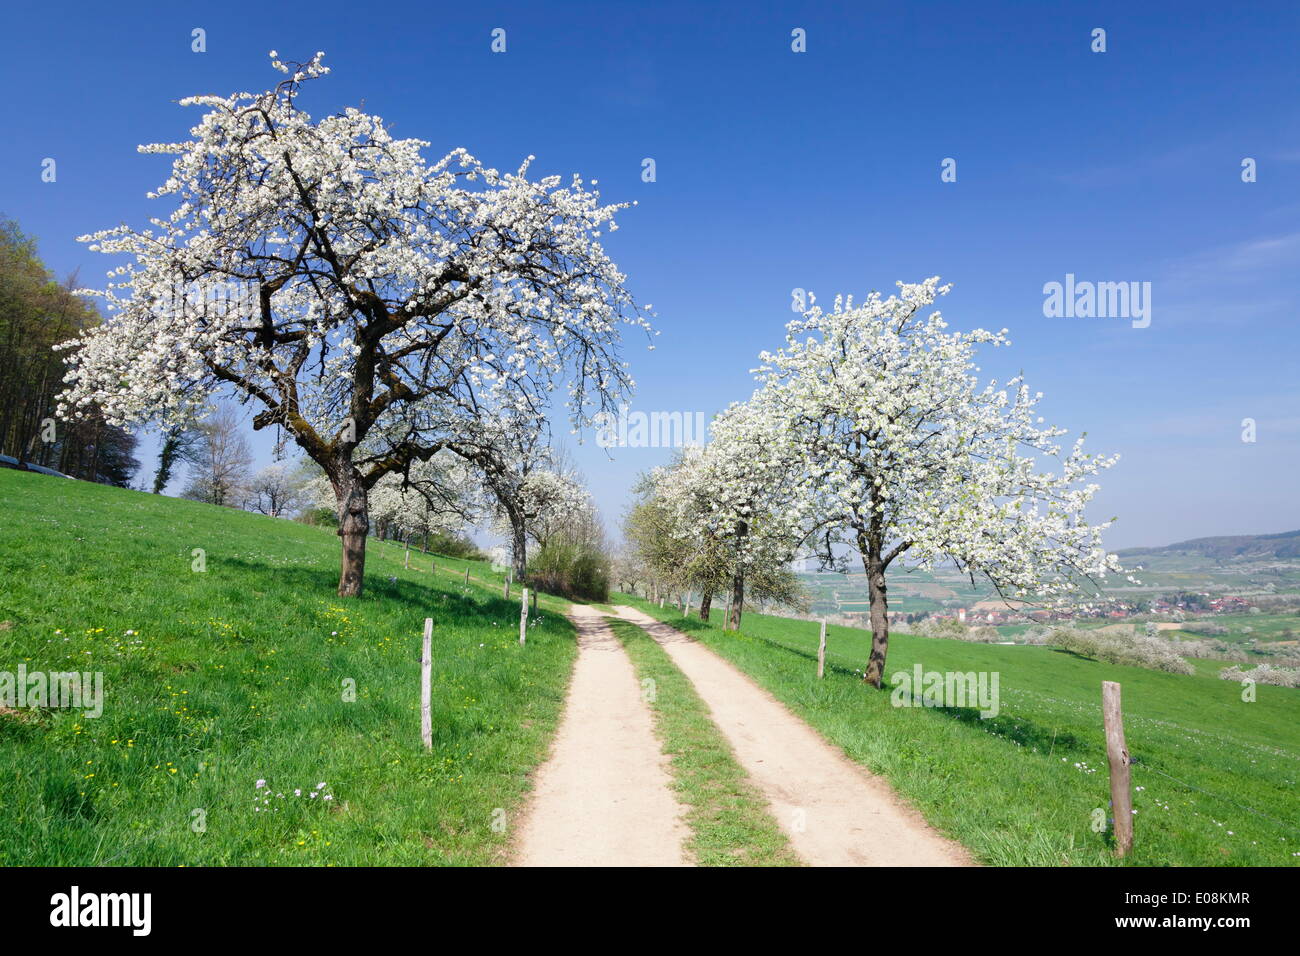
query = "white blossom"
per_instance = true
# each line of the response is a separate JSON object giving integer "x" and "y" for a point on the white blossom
{"x": 328, "y": 273}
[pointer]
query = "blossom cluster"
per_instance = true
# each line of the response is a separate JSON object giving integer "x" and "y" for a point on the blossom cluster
{"x": 871, "y": 434}
{"x": 381, "y": 293}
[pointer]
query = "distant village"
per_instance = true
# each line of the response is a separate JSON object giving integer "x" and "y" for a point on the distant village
{"x": 996, "y": 612}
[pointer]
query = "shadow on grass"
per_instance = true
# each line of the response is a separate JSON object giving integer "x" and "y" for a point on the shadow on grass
{"x": 1019, "y": 730}
{"x": 1075, "y": 654}
{"x": 428, "y": 600}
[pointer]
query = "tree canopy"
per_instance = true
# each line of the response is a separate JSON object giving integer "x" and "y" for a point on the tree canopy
{"x": 377, "y": 306}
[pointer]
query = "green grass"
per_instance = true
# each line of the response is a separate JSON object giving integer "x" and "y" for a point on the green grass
{"x": 238, "y": 673}
{"x": 728, "y": 817}
{"x": 1241, "y": 628}
{"x": 1218, "y": 775}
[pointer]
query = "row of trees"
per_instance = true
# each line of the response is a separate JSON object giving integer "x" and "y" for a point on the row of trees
{"x": 36, "y": 313}
{"x": 400, "y": 319}
{"x": 679, "y": 539}
{"x": 870, "y": 438}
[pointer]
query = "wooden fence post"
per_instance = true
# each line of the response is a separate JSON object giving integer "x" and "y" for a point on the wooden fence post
{"x": 534, "y": 595}
{"x": 686, "y": 611}
{"x": 505, "y": 591}
{"x": 1121, "y": 795}
{"x": 467, "y": 574}
{"x": 821, "y": 653}
{"x": 523, "y": 617}
{"x": 426, "y": 686}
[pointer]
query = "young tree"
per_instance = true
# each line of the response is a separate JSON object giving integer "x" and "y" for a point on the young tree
{"x": 275, "y": 489}
{"x": 653, "y": 540}
{"x": 664, "y": 528}
{"x": 526, "y": 483}
{"x": 748, "y": 483}
{"x": 327, "y": 273}
{"x": 221, "y": 465}
{"x": 899, "y": 451}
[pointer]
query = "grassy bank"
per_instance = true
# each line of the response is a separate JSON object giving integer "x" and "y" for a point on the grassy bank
{"x": 1217, "y": 775}
{"x": 252, "y": 670}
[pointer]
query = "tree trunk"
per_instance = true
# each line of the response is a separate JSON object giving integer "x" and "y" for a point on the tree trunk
{"x": 875, "y": 672}
{"x": 519, "y": 554}
{"x": 354, "y": 525}
{"x": 706, "y": 602}
{"x": 737, "y": 602}
{"x": 737, "y": 599}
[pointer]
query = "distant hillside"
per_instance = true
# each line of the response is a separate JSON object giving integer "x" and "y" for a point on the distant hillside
{"x": 1233, "y": 546}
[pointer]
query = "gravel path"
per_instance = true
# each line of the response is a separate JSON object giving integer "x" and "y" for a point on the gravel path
{"x": 603, "y": 796}
{"x": 834, "y": 811}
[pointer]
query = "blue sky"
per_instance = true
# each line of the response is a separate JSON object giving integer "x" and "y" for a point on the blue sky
{"x": 818, "y": 170}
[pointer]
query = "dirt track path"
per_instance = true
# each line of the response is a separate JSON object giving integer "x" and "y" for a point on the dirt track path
{"x": 603, "y": 797}
{"x": 834, "y": 811}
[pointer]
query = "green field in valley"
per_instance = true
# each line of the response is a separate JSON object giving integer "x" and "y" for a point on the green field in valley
{"x": 1245, "y": 628}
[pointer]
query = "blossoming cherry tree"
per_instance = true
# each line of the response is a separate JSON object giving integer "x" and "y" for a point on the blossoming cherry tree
{"x": 373, "y": 292}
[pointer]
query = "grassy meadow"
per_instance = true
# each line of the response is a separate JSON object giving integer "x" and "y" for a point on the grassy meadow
{"x": 1214, "y": 777}
{"x": 1245, "y": 628}
{"x": 251, "y": 672}
{"x": 217, "y": 679}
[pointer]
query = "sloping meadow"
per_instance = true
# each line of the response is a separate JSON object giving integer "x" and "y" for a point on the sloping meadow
{"x": 1214, "y": 775}
{"x": 249, "y": 716}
